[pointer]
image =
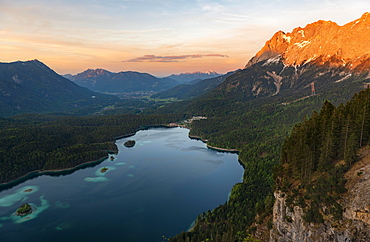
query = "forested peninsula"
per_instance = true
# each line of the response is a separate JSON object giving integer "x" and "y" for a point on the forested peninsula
{"x": 38, "y": 142}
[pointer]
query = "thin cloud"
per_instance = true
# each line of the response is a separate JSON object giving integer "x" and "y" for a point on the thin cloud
{"x": 171, "y": 58}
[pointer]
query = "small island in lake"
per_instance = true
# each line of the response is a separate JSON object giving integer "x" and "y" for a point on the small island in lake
{"x": 104, "y": 169}
{"x": 28, "y": 190}
{"x": 129, "y": 143}
{"x": 111, "y": 157}
{"x": 24, "y": 209}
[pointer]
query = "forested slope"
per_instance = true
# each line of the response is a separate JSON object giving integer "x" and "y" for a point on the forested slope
{"x": 318, "y": 153}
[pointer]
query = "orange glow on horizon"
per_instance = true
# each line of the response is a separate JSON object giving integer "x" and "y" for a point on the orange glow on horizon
{"x": 72, "y": 36}
{"x": 156, "y": 69}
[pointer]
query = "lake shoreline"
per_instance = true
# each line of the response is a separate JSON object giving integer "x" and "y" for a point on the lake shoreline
{"x": 213, "y": 147}
{"x": 145, "y": 127}
{"x": 81, "y": 165}
{"x": 43, "y": 172}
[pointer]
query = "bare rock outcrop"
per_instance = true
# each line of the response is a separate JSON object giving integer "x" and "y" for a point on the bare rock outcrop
{"x": 277, "y": 80}
{"x": 356, "y": 202}
{"x": 289, "y": 225}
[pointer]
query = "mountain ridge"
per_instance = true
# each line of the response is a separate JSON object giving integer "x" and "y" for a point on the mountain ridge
{"x": 101, "y": 80}
{"x": 324, "y": 39}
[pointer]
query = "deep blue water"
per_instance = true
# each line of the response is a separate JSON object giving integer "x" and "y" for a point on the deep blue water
{"x": 150, "y": 192}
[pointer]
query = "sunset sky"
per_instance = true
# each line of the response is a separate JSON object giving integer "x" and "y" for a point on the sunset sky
{"x": 160, "y": 37}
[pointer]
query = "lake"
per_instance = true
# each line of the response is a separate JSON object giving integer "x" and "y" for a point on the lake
{"x": 150, "y": 192}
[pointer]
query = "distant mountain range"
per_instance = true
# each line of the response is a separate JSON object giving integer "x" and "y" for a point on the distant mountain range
{"x": 195, "y": 76}
{"x": 101, "y": 80}
{"x": 31, "y": 86}
{"x": 192, "y": 89}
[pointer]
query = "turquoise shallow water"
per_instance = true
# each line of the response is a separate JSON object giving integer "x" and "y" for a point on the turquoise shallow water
{"x": 151, "y": 191}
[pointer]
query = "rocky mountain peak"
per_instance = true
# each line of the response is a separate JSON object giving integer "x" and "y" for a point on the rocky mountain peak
{"x": 320, "y": 40}
{"x": 365, "y": 17}
{"x": 93, "y": 73}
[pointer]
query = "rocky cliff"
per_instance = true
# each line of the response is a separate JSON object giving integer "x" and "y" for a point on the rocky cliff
{"x": 321, "y": 41}
{"x": 289, "y": 225}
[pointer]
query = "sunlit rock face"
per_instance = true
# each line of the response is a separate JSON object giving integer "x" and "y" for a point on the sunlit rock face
{"x": 324, "y": 42}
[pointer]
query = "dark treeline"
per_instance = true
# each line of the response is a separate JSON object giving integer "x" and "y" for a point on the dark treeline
{"x": 41, "y": 142}
{"x": 318, "y": 153}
